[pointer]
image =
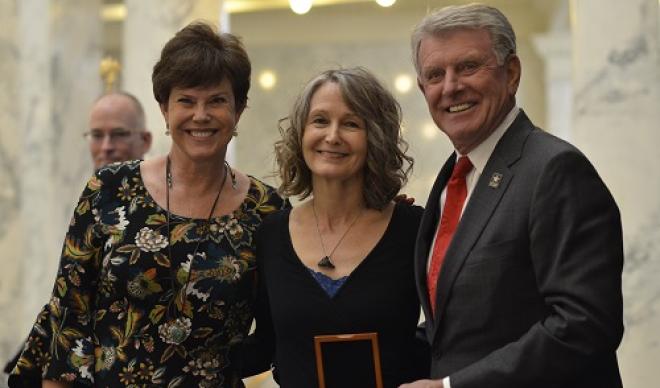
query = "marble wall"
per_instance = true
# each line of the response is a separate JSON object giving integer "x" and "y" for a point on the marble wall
{"x": 616, "y": 117}
{"x": 599, "y": 92}
{"x": 49, "y": 79}
{"x": 9, "y": 171}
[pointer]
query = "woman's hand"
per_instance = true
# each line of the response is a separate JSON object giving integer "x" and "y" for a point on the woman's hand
{"x": 54, "y": 384}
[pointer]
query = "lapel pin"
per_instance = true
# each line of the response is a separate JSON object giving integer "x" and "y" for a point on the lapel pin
{"x": 495, "y": 180}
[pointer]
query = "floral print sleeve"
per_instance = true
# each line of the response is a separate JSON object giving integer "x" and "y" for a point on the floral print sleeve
{"x": 59, "y": 346}
{"x": 134, "y": 305}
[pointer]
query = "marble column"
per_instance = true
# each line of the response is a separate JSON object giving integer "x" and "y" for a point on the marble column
{"x": 35, "y": 251}
{"x": 149, "y": 24}
{"x": 10, "y": 141}
{"x": 75, "y": 56}
{"x": 554, "y": 47}
{"x": 49, "y": 54}
{"x": 617, "y": 90}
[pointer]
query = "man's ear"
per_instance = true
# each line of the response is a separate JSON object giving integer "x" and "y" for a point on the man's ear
{"x": 147, "y": 139}
{"x": 514, "y": 71}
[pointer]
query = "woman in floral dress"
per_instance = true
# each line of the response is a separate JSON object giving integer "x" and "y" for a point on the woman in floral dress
{"x": 157, "y": 275}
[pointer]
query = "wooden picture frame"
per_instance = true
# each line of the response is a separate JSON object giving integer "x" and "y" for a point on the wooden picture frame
{"x": 371, "y": 361}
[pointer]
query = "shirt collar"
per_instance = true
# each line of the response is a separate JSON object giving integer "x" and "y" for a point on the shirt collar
{"x": 480, "y": 154}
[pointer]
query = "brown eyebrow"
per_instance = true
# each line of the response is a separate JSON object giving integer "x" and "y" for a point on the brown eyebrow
{"x": 111, "y": 129}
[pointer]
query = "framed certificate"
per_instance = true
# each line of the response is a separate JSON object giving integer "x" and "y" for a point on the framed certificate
{"x": 348, "y": 360}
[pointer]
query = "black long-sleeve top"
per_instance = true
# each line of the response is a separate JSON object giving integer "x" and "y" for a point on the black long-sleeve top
{"x": 378, "y": 296}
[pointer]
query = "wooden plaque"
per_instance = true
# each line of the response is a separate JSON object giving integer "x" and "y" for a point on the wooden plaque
{"x": 362, "y": 368}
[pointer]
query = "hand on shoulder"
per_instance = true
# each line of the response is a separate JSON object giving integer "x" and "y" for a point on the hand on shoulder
{"x": 403, "y": 198}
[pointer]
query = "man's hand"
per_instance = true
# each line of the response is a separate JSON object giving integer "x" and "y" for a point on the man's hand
{"x": 423, "y": 384}
{"x": 404, "y": 199}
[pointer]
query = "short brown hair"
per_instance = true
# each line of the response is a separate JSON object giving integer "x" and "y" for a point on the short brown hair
{"x": 387, "y": 165}
{"x": 198, "y": 56}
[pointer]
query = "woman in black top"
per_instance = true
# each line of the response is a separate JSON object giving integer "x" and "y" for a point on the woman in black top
{"x": 342, "y": 261}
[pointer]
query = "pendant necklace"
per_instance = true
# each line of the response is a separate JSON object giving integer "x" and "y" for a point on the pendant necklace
{"x": 326, "y": 261}
{"x": 177, "y": 329}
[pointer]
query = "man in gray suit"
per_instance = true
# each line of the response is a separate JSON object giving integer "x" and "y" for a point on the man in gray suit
{"x": 519, "y": 253}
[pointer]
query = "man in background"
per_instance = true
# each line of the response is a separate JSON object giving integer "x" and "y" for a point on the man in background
{"x": 117, "y": 130}
{"x": 519, "y": 253}
{"x": 117, "y": 133}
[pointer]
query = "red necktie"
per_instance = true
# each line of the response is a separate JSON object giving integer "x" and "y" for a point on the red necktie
{"x": 451, "y": 214}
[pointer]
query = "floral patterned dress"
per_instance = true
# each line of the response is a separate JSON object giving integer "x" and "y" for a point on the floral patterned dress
{"x": 109, "y": 320}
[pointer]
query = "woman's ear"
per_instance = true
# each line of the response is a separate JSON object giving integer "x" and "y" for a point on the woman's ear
{"x": 163, "y": 110}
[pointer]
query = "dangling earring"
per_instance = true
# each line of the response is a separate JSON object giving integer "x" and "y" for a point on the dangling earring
{"x": 231, "y": 175}
{"x": 167, "y": 129}
{"x": 235, "y": 133}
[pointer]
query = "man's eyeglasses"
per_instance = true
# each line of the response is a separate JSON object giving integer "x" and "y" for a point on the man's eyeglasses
{"x": 116, "y": 135}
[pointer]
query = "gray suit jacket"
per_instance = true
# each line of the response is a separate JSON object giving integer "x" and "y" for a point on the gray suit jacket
{"x": 530, "y": 290}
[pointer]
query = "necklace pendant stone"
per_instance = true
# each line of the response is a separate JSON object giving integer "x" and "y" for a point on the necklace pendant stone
{"x": 326, "y": 263}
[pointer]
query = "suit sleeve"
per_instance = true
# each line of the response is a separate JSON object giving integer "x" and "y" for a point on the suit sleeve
{"x": 576, "y": 250}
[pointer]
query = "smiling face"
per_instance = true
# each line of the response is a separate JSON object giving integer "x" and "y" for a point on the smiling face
{"x": 334, "y": 141}
{"x": 201, "y": 120}
{"x": 467, "y": 92}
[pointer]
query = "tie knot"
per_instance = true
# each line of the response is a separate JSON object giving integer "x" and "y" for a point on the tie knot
{"x": 462, "y": 167}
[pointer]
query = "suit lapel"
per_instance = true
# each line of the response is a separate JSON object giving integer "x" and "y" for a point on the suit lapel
{"x": 487, "y": 194}
{"x": 426, "y": 233}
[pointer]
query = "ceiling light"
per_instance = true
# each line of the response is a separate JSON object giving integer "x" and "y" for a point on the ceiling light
{"x": 403, "y": 83}
{"x": 429, "y": 130}
{"x": 385, "y": 3}
{"x": 267, "y": 79}
{"x": 300, "y": 6}
{"x": 113, "y": 12}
